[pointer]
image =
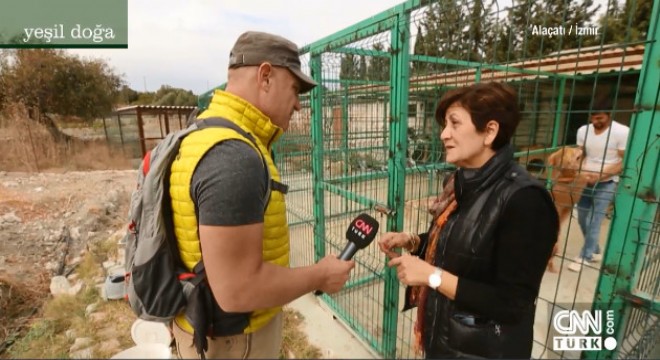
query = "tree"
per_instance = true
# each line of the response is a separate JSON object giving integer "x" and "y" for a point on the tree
{"x": 49, "y": 81}
{"x": 627, "y": 24}
{"x": 379, "y": 66}
{"x": 348, "y": 67}
{"x": 128, "y": 95}
{"x": 168, "y": 95}
{"x": 362, "y": 68}
{"x": 457, "y": 30}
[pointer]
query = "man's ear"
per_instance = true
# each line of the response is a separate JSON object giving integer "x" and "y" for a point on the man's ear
{"x": 492, "y": 129}
{"x": 264, "y": 74}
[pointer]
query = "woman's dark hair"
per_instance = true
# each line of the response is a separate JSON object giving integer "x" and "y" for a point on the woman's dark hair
{"x": 485, "y": 102}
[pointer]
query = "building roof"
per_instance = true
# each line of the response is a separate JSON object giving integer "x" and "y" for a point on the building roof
{"x": 571, "y": 62}
{"x": 152, "y": 108}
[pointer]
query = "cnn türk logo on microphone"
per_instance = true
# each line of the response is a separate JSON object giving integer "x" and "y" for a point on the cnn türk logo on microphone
{"x": 361, "y": 228}
{"x": 584, "y": 331}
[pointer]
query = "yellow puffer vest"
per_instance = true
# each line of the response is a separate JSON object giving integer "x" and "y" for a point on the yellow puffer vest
{"x": 193, "y": 147}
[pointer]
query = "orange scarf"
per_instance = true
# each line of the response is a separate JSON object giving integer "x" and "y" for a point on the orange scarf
{"x": 442, "y": 208}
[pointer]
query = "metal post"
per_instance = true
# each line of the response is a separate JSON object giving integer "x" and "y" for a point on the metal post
{"x": 141, "y": 131}
{"x": 636, "y": 203}
{"x": 317, "y": 159}
{"x": 398, "y": 143}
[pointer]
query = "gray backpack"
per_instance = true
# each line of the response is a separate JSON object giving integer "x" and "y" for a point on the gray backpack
{"x": 157, "y": 283}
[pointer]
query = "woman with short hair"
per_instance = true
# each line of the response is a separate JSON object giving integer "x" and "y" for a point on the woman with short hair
{"x": 476, "y": 273}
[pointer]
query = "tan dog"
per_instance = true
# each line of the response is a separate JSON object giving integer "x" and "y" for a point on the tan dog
{"x": 567, "y": 185}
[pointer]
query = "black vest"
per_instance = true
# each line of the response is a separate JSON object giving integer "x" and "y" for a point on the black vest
{"x": 466, "y": 248}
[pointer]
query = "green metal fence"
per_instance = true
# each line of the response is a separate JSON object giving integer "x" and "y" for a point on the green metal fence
{"x": 366, "y": 141}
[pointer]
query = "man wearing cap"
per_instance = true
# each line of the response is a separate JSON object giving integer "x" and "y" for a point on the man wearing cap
{"x": 229, "y": 210}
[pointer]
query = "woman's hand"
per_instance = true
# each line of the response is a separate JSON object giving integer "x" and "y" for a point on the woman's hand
{"x": 412, "y": 270}
{"x": 392, "y": 240}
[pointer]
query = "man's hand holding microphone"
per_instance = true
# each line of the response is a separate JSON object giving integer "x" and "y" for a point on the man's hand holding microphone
{"x": 360, "y": 233}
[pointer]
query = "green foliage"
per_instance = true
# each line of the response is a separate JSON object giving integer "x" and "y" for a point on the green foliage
{"x": 168, "y": 95}
{"x": 128, "y": 95}
{"x": 480, "y": 31}
{"x": 379, "y": 67}
{"x": 635, "y": 15}
{"x": 55, "y": 82}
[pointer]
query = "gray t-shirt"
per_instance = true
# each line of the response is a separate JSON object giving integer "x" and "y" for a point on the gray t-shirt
{"x": 229, "y": 185}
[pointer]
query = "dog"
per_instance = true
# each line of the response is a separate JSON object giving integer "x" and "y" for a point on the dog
{"x": 567, "y": 186}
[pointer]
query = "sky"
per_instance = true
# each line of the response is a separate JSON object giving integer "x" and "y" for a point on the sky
{"x": 186, "y": 43}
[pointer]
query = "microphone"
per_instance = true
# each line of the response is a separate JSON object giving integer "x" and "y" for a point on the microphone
{"x": 360, "y": 233}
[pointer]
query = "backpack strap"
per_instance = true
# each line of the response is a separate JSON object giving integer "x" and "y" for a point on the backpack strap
{"x": 222, "y": 122}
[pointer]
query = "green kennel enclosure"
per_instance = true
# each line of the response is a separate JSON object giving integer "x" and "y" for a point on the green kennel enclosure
{"x": 366, "y": 141}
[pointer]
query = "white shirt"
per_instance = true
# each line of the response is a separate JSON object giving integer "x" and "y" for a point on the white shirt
{"x": 602, "y": 149}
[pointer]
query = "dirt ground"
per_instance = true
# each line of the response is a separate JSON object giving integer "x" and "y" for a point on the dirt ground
{"x": 37, "y": 208}
{"x": 47, "y": 220}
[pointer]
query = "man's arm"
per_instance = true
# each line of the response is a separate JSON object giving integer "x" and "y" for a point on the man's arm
{"x": 241, "y": 281}
{"x": 613, "y": 169}
{"x": 607, "y": 172}
{"x": 228, "y": 188}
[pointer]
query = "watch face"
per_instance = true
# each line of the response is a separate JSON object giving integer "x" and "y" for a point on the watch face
{"x": 434, "y": 280}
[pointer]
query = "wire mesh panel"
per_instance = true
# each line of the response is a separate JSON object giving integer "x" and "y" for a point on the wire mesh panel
{"x": 375, "y": 148}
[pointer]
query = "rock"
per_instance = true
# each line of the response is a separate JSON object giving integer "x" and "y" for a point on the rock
{"x": 51, "y": 265}
{"x": 118, "y": 235}
{"x": 81, "y": 343}
{"x": 82, "y": 354}
{"x": 9, "y": 184}
{"x": 72, "y": 277}
{"x": 10, "y": 218}
{"x": 108, "y": 264}
{"x": 39, "y": 189}
{"x": 76, "y": 260}
{"x": 59, "y": 285}
{"x": 101, "y": 290}
{"x": 91, "y": 308}
{"x": 98, "y": 317}
{"x": 70, "y": 334}
{"x": 75, "y": 289}
{"x": 75, "y": 233}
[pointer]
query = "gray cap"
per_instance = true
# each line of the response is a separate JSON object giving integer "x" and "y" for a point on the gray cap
{"x": 254, "y": 48}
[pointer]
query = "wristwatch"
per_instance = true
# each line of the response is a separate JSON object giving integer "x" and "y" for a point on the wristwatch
{"x": 435, "y": 279}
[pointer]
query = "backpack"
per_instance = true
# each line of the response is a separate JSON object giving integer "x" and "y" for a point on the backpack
{"x": 158, "y": 286}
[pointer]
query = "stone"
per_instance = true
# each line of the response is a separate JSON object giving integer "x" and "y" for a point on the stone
{"x": 10, "y": 218}
{"x": 75, "y": 233}
{"x": 59, "y": 285}
{"x": 80, "y": 343}
{"x": 75, "y": 289}
{"x": 91, "y": 308}
{"x": 82, "y": 354}
{"x": 98, "y": 317}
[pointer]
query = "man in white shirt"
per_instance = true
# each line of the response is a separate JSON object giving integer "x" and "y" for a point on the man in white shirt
{"x": 603, "y": 142}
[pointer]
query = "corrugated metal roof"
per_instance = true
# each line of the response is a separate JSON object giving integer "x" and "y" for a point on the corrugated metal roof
{"x": 154, "y": 107}
{"x": 571, "y": 62}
